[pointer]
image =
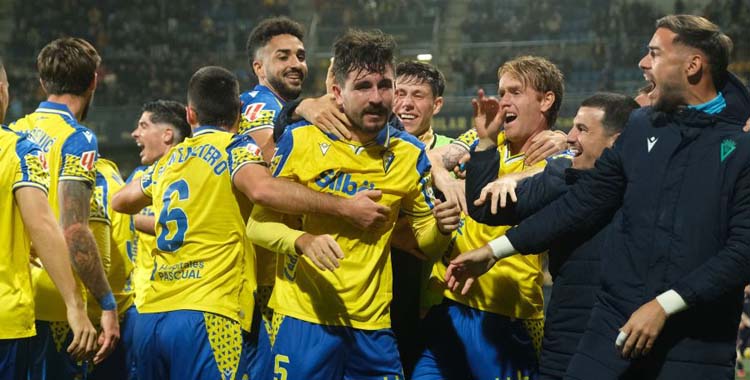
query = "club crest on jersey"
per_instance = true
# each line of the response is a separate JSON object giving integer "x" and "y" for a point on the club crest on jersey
{"x": 324, "y": 147}
{"x": 727, "y": 147}
{"x": 388, "y": 157}
{"x": 87, "y": 160}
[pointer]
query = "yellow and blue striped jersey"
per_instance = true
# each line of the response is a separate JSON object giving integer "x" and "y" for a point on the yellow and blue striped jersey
{"x": 143, "y": 261}
{"x": 71, "y": 151}
{"x": 200, "y": 249}
{"x": 23, "y": 164}
{"x": 358, "y": 293}
{"x": 513, "y": 287}
{"x": 260, "y": 109}
{"x": 121, "y": 240}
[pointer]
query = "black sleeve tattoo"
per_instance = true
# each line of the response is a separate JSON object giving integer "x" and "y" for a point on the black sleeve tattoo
{"x": 75, "y": 198}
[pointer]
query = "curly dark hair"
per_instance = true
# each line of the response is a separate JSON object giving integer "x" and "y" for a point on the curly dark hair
{"x": 270, "y": 28}
{"x": 169, "y": 112}
{"x": 362, "y": 50}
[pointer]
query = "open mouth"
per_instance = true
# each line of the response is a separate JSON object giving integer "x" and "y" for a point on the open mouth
{"x": 510, "y": 117}
{"x": 575, "y": 151}
{"x": 406, "y": 116}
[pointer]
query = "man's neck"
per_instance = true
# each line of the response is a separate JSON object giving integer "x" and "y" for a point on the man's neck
{"x": 700, "y": 93}
{"x": 264, "y": 83}
{"x": 523, "y": 146}
{"x": 76, "y": 104}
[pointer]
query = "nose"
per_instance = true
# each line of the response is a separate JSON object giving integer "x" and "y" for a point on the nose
{"x": 134, "y": 134}
{"x": 572, "y": 135}
{"x": 376, "y": 97}
{"x": 645, "y": 62}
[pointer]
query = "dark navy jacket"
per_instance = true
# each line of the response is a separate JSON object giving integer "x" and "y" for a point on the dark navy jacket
{"x": 573, "y": 261}
{"x": 682, "y": 183}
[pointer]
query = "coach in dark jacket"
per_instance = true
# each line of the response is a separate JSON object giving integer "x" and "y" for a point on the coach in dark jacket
{"x": 679, "y": 247}
{"x": 574, "y": 260}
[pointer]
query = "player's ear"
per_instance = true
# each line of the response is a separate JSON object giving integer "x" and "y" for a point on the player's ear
{"x": 337, "y": 93}
{"x": 258, "y": 68}
{"x": 168, "y": 136}
{"x": 437, "y": 105}
{"x": 548, "y": 99}
{"x": 694, "y": 65}
{"x": 192, "y": 118}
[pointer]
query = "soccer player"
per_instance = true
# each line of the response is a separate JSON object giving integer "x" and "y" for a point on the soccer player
{"x": 530, "y": 90}
{"x": 676, "y": 260}
{"x": 333, "y": 284}
{"x": 67, "y": 71}
{"x": 573, "y": 262}
{"x": 191, "y": 309}
{"x": 26, "y": 218}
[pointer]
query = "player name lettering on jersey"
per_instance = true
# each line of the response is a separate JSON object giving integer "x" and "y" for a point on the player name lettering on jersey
{"x": 207, "y": 152}
{"x": 181, "y": 271}
{"x": 42, "y": 139}
{"x": 342, "y": 182}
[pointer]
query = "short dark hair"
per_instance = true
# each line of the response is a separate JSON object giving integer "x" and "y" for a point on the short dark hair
{"x": 67, "y": 66}
{"x": 362, "y": 50}
{"x": 270, "y": 28}
{"x": 616, "y": 107}
{"x": 214, "y": 95}
{"x": 421, "y": 72}
{"x": 699, "y": 33}
{"x": 169, "y": 112}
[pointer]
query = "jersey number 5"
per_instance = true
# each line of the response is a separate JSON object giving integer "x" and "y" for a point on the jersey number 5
{"x": 175, "y": 215}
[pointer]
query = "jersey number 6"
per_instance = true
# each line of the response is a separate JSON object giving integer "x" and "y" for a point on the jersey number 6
{"x": 175, "y": 215}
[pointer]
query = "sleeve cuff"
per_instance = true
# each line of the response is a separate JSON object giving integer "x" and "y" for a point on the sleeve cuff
{"x": 501, "y": 247}
{"x": 671, "y": 302}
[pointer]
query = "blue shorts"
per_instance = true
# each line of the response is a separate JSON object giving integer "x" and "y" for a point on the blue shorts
{"x": 257, "y": 349}
{"x": 466, "y": 343}
{"x": 120, "y": 364}
{"x": 49, "y": 355}
{"x": 186, "y": 344}
{"x": 15, "y": 356}
{"x": 310, "y": 351}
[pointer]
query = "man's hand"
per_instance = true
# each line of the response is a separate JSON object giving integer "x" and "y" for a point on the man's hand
{"x": 110, "y": 335}
{"x": 453, "y": 189}
{"x": 447, "y": 215}
{"x": 545, "y": 144}
{"x": 498, "y": 191}
{"x": 322, "y": 250}
{"x": 488, "y": 119}
{"x": 364, "y": 212}
{"x": 83, "y": 345}
{"x": 465, "y": 268}
{"x": 459, "y": 171}
{"x": 642, "y": 329}
{"x": 326, "y": 115}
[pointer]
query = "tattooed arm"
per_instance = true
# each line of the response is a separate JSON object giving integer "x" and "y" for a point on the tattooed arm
{"x": 443, "y": 160}
{"x": 75, "y": 197}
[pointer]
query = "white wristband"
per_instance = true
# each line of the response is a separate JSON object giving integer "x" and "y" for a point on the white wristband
{"x": 671, "y": 302}
{"x": 501, "y": 247}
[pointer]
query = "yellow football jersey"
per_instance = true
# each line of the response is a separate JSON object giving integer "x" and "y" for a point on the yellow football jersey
{"x": 143, "y": 261}
{"x": 23, "y": 165}
{"x": 200, "y": 249}
{"x": 71, "y": 151}
{"x": 121, "y": 240}
{"x": 358, "y": 293}
{"x": 513, "y": 287}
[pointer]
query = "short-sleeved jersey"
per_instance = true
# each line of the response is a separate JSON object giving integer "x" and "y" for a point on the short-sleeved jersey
{"x": 71, "y": 151}
{"x": 143, "y": 261}
{"x": 23, "y": 164}
{"x": 200, "y": 242}
{"x": 260, "y": 109}
{"x": 358, "y": 293}
{"x": 109, "y": 182}
{"x": 513, "y": 287}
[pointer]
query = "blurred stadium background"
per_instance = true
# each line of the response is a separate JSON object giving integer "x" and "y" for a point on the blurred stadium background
{"x": 151, "y": 47}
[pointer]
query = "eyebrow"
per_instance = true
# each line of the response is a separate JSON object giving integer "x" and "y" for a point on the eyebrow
{"x": 288, "y": 51}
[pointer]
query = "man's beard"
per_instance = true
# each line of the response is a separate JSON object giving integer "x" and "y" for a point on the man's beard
{"x": 670, "y": 97}
{"x": 358, "y": 121}
{"x": 284, "y": 90}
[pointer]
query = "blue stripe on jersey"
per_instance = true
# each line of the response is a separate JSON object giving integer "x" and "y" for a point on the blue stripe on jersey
{"x": 25, "y": 147}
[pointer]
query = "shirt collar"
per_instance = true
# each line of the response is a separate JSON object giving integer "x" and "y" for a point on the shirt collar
{"x": 206, "y": 129}
{"x": 56, "y": 108}
{"x": 262, "y": 88}
{"x": 713, "y": 106}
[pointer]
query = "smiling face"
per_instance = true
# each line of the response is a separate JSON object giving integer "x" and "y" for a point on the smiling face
{"x": 366, "y": 98}
{"x": 415, "y": 104}
{"x": 154, "y": 139}
{"x": 588, "y": 137}
{"x": 665, "y": 67}
{"x": 282, "y": 66}
{"x": 524, "y": 108}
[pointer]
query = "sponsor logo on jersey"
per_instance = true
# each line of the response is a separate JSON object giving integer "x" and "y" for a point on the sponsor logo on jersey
{"x": 342, "y": 182}
{"x": 87, "y": 159}
{"x": 253, "y": 111}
